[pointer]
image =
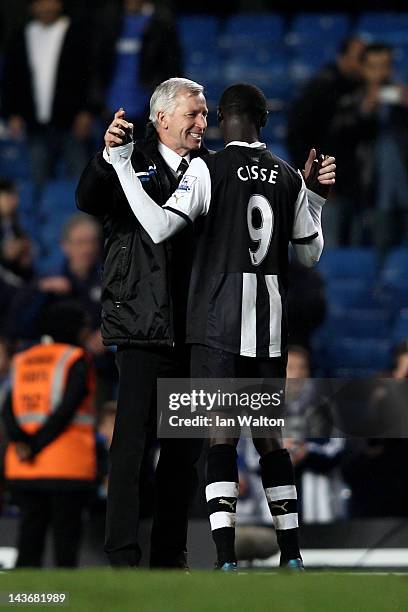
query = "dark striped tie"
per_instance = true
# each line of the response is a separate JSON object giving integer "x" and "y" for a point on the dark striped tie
{"x": 182, "y": 168}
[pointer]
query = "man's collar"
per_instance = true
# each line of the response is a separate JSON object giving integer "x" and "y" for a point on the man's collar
{"x": 252, "y": 145}
{"x": 171, "y": 158}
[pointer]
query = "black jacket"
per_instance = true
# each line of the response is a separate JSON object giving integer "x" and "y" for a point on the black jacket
{"x": 144, "y": 288}
{"x": 72, "y": 82}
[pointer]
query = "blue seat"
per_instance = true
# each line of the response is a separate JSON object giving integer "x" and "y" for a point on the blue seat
{"x": 198, "y": 31}
{"x": 323, "y": 27}
{"x": 350, "y": 373}
{"x": 14, "y": 162}
{"x": 58, "y": 197}
{"x": 349, "y": 263}
{"x": 351, "y": 293}
{"x": 56, "y": 207}
{"x": 395, "y": 269}
{"x": 400, "y": 329}
{"x": 262, "y": 67}
{"x": 359, "y": 323}
{"x": 251, "y": 31}
{"x": 366, "y": 353}
{"x": 401, "y": 61}
{"x": 205, "y": 66}
{"x": 388, "y": 27}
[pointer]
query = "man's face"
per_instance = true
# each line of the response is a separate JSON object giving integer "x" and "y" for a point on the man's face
{"x": 8, "y": 203}
{"x": 46, "y": 11}
{"x": 351, "y": 61}
{"x": 377, "y": 67}
{"x": 183, "y": 129}
{"x": 81, "y": 247}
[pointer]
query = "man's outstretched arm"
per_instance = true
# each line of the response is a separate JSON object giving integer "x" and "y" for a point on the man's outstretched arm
{"x": 190, "y": 199}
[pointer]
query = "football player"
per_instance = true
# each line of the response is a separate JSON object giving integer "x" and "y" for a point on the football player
{"x": 250, "y": 205}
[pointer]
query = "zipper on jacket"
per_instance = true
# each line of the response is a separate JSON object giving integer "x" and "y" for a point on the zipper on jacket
{"x": 121, "y": 275}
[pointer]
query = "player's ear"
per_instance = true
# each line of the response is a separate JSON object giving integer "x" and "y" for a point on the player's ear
{"x": 220, "y": 116}
{"x": 264, "y": 119}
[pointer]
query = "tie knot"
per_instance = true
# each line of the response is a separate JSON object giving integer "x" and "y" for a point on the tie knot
{"x": 182, "y": 167}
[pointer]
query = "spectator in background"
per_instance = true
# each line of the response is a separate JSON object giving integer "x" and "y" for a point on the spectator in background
{"x": 15, "y": 246}
{"x": 306, "y": 303}
{"x": 45, "y": 90}
{"x": 375, "y": 468}
{"x": 315, "y": 454}
{"x": 370, "y": 128}
{"x": 50, "y": 463}
{"x": 79, "y": 280}
{"x": 400, "y": 370}
{"x": 15, "y": 251}
{"x": 313, "y": 110}
{"x": 137, "y": 50}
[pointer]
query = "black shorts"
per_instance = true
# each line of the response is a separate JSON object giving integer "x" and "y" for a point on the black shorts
{"x": 208, "y": 362}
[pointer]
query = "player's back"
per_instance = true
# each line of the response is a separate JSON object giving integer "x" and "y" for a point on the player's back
{"x": 240, "y": 265}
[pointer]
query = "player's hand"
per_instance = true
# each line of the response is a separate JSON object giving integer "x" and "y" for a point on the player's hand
{"x": 119, "y": 130}
{"x": 320, "y": 173}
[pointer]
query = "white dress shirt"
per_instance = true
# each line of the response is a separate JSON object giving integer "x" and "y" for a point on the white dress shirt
{"x": 44, "y": 45}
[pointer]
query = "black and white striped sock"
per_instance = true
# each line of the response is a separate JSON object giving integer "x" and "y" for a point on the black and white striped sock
{"x": 222, "y": 493}
{"x": 279, "y": 484}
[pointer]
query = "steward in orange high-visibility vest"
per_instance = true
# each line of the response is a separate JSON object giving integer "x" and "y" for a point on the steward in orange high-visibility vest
{"x": 50, "y": 462}
{"x": 39, "y": 377}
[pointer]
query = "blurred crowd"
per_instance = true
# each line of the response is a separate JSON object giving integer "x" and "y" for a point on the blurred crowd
{"x": 62, "y": 79}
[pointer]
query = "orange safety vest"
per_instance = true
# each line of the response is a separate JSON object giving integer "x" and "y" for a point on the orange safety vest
{"x": 39, "y": 377}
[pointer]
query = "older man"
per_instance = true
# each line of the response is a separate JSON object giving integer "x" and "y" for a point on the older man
{"x": 144, "y": 304}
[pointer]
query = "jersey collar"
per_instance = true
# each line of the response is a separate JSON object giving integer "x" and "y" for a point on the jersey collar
{"x": 252, "y": 145}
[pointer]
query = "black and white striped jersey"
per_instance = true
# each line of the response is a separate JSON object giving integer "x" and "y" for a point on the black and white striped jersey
{"x": 247, "y": 205}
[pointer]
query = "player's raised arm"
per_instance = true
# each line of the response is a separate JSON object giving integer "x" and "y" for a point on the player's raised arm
{"x": 189, "y": 200}
{"x": 307, "y": 238}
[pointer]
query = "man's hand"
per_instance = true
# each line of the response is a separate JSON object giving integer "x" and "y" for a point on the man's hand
{"x": 55, "y": 284}
{"x": 23, "y": 451}
{"x": 320, "y": 174}
{"x": 119, "y": 130}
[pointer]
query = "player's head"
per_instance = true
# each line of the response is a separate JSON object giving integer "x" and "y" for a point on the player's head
{"x": 245, "y": 103}
{"x": 178, "y": 111}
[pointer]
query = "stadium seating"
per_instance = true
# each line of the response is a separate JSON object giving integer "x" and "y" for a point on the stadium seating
{"x": 385, "y": 26}
{"x": 251, "y": 31}
{"x": 364, "y": 353}
{"x": 314, "y": 39}
{"x": 14, "y": 159}
{"x": 56, "y": 206}
{"x": 27, "y": 210}
{"x": 393, "y": 279}
{"x": 400, "y": 329}
{"x": 349, "y": 263}
{"x": 359, "y": 323}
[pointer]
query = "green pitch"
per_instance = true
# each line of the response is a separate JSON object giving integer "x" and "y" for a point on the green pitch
{"x": 142, "y": 591}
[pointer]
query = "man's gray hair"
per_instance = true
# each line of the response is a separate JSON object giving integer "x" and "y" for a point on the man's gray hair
{"x": 164, "y": 97}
